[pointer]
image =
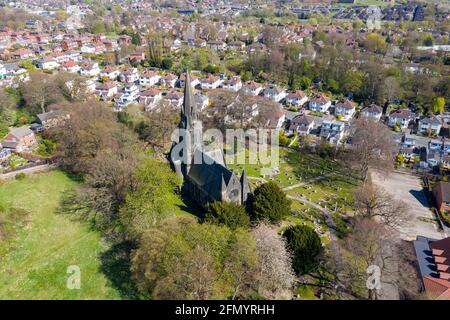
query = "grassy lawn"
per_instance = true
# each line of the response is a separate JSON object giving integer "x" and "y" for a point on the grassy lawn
{"x": 294, "y": 167}
{"x": 34, "y": 266}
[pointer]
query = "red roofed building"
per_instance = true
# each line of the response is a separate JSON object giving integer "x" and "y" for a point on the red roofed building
{"x": 434, "y": 263}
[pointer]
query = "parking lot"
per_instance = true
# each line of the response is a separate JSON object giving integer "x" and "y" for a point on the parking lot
{"x": 407, "y": 188}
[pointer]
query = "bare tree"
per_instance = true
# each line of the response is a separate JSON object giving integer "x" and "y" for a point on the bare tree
{"x": 371, "y": 247}
{"x": 372, "y": 147}
{"x": 40, "y": 91}
{"x": 274, "y": 274}
{"x": 375, "y": 203}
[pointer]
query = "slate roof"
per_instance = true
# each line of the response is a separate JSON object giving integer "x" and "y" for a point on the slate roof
{"x": 209, "y": 174}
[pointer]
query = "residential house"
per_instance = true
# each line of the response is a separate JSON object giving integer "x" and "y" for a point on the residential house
{"x": 441, "y": 193}
{"x": 51, "y": 119}
{"x": 173, "y": 99}
{"x": 130, "y": 95}
{"x": 301, "y": 124}
{"x": 130, "y": 75}
{"x": 401, "y": 118}
{"x": 211, "y": 82}
{"x": 168, "y": 80}
{"x": 319, "y": 103}
{"x": 373, "y": 112}
{"x": 433, "y": 257}
{"x": 47, "y": 63}
{"x": 233, "y": 84}
{"x": 109, "y": 73}
{"x": 252, "y": 88}
{"x": 217, "y": 45}
{"x": 236, "y": 45}
{"x": 274, "y": 93}
{"x": 20, "y": 139}
{"x": 106, "y": 90}
{"x": 194, "y": 80}
{"x": 149, "y": 78}
{"x": 71, "y": 66}
{"x": 22, "y": 54}
{"x": 344, "y": 110}
{"x": 89, "y": 69}
{"x": 429, "y": 126}
{"x": 150, "y": 97}
{"x": 332, "y": 130}
{"x": 297, "y": 98}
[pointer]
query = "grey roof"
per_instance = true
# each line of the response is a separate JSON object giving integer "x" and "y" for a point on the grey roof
{"x": 208, "y": 175}
{"x": 430, "y": 120}
{"x": 303, "y": 119}
{"x": 9, "y": 144}
{"x": 373, "y": 109}
{"x": 48, "y": 115}
{"x": 21, "y": 132}
{"x": 424, "y": 256}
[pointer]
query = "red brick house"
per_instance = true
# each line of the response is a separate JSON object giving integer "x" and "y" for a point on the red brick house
{"x": 20, "y": 139}
{"x": 441, "y": 194}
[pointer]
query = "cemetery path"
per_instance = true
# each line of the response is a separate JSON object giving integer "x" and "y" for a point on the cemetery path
{"x": 303, "y": 183}
{"x": 328, "y": 217}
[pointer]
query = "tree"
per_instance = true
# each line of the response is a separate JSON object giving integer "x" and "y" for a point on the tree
{"x": 39, "y": 92}
{"x": 181, "y": 259}
{"x": 148, "y": 201}
{"x": 373, "y": 202}
{"x": 274, "y": 275}
{"x": 227, "y": 213}
{"x": 372, "y": 147}
{"x": 370, "y": 244}
{"x": 438, "y": 105}
{"x": 306, "y": 247}
{"x": 269, "y": 203}
{"x": 7, "y": 117}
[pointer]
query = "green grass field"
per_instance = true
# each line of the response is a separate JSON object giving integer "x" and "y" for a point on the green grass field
{"x": 34, "y": 266}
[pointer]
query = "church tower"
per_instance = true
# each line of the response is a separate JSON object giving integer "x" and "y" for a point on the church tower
{"x": 190, "y": 122}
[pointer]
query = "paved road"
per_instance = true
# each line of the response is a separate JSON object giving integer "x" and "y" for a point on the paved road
{"x": 408, "y": 188}
{"x": 36, "y": 169}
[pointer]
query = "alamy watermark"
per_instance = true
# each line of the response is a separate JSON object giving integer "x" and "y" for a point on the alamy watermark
{"x": 74, "y": 279}
{"x": 254, "y": 146}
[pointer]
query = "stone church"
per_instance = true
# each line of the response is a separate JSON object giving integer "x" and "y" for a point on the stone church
{"x": 205, "y": 175}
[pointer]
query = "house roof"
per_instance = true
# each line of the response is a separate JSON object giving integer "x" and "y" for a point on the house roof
{"x": 430, "y": 120}
{"x": 432, "y": 256}
{"x": 21, "y": 132}
{"x": 402, "y": 114}
{"x": 303, "y": 119}
{"x": 347, "y": 104}
{"x": 320, "y": 98}
{"x": 373, "y": 108}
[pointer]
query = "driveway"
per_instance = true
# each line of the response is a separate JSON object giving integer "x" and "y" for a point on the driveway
{"x": 407, "y": 188}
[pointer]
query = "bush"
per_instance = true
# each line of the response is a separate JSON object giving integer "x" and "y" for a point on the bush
{"x": 228, "y": 214}
{"x": 20, "y": 176}
{"x": 306, "y": 246}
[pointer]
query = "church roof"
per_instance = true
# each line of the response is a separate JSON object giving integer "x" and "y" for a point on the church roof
{"x": 208, "y": 174}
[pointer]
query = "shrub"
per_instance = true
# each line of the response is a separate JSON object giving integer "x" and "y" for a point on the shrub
{"x": 306, "y": 247}
{"x": 227, "y": 213}
{"x": 20, "y": 176}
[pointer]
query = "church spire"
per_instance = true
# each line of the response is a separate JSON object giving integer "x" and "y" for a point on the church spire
{"x": 189, "y": 111}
